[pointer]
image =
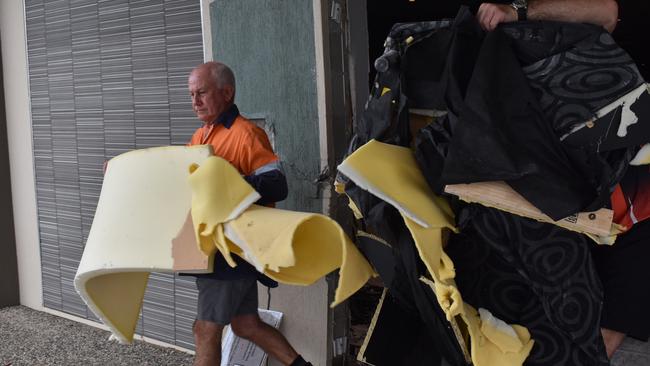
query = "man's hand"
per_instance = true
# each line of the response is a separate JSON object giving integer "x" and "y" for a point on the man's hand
{"x": 490, "y": 15}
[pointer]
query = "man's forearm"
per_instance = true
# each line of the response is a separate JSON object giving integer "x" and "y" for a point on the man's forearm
{"x": 599, "y": 12}
{"x": 271, "y": 185}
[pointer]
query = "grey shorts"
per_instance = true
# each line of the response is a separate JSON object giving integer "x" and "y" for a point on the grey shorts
{"x": 221, "y": 300}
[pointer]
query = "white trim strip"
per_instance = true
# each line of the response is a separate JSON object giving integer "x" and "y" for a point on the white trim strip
{"x": 276, "y": 165}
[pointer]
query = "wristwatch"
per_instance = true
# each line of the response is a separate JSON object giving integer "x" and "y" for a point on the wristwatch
{"x": 521, "y": 6}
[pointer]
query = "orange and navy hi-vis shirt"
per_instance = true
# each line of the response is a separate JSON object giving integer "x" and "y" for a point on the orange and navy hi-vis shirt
{"x": 239, "y": 141}
{"x": 248, "y": 149}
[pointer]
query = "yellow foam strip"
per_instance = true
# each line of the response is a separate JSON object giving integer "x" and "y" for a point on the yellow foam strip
{"x": 428, "y": 242}
{"x": 120, "y": 316}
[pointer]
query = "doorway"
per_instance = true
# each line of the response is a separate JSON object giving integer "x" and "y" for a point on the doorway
{"x": 363, "y": 32}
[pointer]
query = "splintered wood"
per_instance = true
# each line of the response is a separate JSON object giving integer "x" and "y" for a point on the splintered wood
{"x": 501, "y": 196}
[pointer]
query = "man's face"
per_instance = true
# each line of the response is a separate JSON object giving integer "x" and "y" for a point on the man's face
{"x": 208, "y": 100}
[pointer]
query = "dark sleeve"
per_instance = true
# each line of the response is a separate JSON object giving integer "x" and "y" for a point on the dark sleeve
{"x": 271, "y": 185}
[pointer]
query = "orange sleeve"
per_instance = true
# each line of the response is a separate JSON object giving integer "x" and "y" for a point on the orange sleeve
{"x": 256, "y": 152}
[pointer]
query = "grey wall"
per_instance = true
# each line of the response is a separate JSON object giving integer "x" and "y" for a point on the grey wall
{"x": 8, "y": 261}
{"x": 270, "y": 46}
{"x": 106, "y": 77}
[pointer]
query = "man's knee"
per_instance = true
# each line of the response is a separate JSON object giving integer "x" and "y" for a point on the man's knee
{"x": 205, "y": 330}
{"x": 246, "y": 326}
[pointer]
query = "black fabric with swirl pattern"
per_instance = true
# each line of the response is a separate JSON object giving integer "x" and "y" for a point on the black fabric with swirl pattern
{"x": 535, "y": 274}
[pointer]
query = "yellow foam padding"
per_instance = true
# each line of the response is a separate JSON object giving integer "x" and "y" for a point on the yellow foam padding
{"x": 492, "y": 341}
{"x": 391, "y": 173}
{"x": 491, "y": 345}
{"x": 355, "y": 210}
{"x": 291, "y": 247}
{"x": 448, "y": 297}
{"x": 339, "y": 187}
{"x": 119, "y": 315}
{"x": 143, "y": 204}
{"x": 429, "y": 242}
{"x": 219, "y": 194}
{"x": 299, "y": 248}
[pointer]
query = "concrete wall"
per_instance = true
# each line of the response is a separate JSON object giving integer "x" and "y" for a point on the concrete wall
{"x": 270, "y": 45}
{"x": 8, "y": 263}
{"x": 14, "y": 67}
{"x": 105, "y": 78}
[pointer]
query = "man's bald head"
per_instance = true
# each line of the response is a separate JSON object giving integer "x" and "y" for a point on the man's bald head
{"x": 219, "y": 72}
{"x": 212, "y": 88}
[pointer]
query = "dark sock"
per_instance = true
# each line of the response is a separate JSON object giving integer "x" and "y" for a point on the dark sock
{"x": 299, "y": 361}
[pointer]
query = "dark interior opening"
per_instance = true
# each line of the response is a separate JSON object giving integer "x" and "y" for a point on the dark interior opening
{"x": 382, "y": 15}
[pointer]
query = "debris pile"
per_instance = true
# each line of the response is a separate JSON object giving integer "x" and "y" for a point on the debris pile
{"x": 484, "y": 169}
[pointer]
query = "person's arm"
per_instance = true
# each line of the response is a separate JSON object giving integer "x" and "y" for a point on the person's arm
{"x": 271, "y": 185}
{"x": 261, "y": 168}
{"x": 599, "y": 12}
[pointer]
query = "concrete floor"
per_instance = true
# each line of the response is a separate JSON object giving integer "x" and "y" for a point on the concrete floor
{"x": 632, "y": 353}
{"x": 29, "y": 337}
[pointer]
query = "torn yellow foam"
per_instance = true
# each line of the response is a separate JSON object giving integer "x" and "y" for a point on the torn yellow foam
{"x": 492, "y": 341}
{"x": 291, "y": 247}
{"x": 429, "y": 243}
{"x": 391, "y": 173}
{"x": 219, "y": 194}
{"x": 355, "y": 210}
{"x": 143, "y": 206}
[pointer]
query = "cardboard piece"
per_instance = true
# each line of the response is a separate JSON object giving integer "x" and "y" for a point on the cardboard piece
{"x": 185, "y": 251}
{"x": 236, "y": 351}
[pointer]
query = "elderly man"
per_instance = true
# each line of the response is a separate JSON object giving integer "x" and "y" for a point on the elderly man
{"x": 229, "y": 295}
{"x": 622, "y": 267}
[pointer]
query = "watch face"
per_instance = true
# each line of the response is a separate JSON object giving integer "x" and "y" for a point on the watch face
{"x": 520, "y": 4}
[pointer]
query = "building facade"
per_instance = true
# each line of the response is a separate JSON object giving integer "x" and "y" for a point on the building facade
{"x": 87, "y": 80}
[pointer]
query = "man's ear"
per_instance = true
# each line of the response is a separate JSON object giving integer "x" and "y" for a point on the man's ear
{"x": 229, "y": 92}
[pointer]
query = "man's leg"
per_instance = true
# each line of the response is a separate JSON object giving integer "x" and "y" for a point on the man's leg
{"x": 251, "y": 327}
{"x": 612, "y": 340}
{"x": 207, "y": 339}
{"x": 217, "y": 303}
